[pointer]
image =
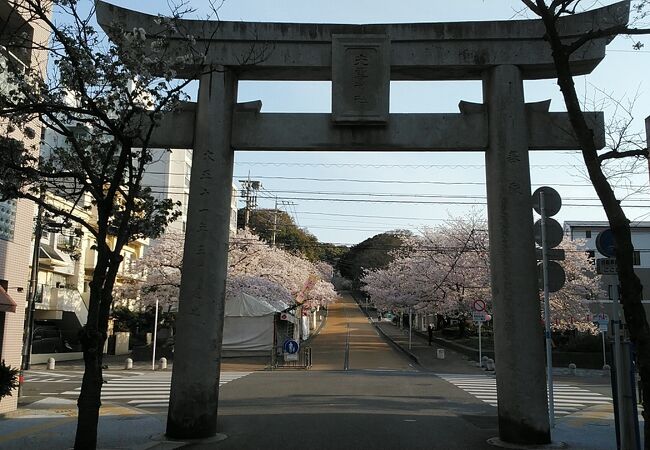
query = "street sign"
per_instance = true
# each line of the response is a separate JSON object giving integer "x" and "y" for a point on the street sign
{"x": 601, "y": 318}
{"x": 284, "y": 316}
{"x": 479, "y": 316}
{"x": 556, "y": 276}
{"x": 552, "y": 201}
{"x": 605, "y": 243}
{"x": 554, "y": 232}
{"x": 478, "y": 305}
{"x": 606, "y": 266}
{"x": 290, "y": 346}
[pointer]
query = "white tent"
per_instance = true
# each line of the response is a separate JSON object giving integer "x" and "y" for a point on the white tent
{"x": 248, "y": 324}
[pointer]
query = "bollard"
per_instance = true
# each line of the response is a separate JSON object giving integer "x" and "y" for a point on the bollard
{"x": 489, "y": 364}
{"x": 572, "y": 369}
{"x": 607, "y": 370}
{"x": 162, "y": 363}
{"x": 484, "y": 361}
{"x": 440, "y": 353}
{"x": 128, "y": 364}
{"x": 51, "y": 363}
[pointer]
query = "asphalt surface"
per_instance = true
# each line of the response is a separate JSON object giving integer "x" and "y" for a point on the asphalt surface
{"x": 367, "y": 389}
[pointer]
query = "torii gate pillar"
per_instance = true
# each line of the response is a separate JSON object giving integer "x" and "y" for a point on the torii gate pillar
{"x": 523, "y": 413}
{"x": 195, "y": 377}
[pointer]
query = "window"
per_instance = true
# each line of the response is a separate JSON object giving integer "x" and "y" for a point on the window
{"x": 636, "y": 258}
{"x": 7, "y": 219}
{"x": 588, "y": 234}
{"x": 188, "y": 175}
{"x": 2, "y": 333}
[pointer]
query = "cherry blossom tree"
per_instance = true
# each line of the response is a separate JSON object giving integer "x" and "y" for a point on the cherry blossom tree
{"x": 250, "y": 256}
{"x": 255, "y": 268}
{"x": 447, "y": 269}
{"x": 569, "y": 306}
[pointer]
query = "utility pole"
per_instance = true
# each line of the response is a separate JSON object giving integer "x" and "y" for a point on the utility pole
{"x": 249, "y": 194}
{"x": 275, "y": 222}
{"x": 31, "y": 294}
{"x": 647, "y": 139}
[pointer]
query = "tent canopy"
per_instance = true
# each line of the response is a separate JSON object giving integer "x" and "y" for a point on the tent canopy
{"x": 244, "y": 305}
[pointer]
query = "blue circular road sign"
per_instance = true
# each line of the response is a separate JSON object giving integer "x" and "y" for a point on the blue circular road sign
{"x": 605, "y": 243}
{"x": 290, "y": 346}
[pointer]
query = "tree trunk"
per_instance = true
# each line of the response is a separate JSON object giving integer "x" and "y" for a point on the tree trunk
{"x": 89, "y": 400}
{"x": 92, "y": 337}
{"x": 631, "y": 288}
{"x": 462, "y": 327}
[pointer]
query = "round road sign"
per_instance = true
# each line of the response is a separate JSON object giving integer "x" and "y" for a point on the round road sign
{"x": 605, "y": 243}
{"x": 552, "y": 201}
{"x": 290, "y": 346}
{"x": 554, "y": 232}
{"x": 478, "y": 305}
{"x": 556, "y": 276}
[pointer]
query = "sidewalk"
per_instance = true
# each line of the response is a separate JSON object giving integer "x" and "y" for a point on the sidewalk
{"x": 43, "y": 422}
{"x": 116, "y": 363}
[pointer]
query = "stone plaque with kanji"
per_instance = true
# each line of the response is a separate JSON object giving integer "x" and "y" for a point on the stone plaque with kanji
{"x": 360, "y": 79}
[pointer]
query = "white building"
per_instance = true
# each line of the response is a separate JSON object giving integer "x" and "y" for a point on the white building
{"x": 588, "y": 231}
{"x": 169, "y": 177}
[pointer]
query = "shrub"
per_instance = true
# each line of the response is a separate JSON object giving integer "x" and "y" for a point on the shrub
{"x": 8, "y": 379}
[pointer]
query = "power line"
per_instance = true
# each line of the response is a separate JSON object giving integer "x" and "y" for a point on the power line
{"x": 442, "y": 183}
{"x": 377, "y": 166}
{"x": 412, "y": 195}
{"x": 421, "y": 202}
{"x": 371, "y": 217}
{"x": 272, "y": 194}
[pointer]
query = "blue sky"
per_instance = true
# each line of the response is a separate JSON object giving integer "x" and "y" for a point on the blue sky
{"x": 446, "y": 184}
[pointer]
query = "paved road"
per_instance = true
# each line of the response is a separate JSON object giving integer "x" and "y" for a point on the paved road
{"x": 361, "y": 393}
{"x": 350, "y": 342}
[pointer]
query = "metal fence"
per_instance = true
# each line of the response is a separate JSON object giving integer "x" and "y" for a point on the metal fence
{"x": 299, "y": 360}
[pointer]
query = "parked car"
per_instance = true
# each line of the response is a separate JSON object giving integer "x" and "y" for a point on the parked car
{"x": 49, "y": 339}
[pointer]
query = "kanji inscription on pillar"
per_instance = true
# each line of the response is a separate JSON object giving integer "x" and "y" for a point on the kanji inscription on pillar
{"x": 360, "y": 79}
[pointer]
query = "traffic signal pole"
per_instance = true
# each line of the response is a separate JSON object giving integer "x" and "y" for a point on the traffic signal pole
{"x": 547, "y": 314}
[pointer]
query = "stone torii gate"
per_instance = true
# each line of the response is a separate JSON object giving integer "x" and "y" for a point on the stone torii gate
{"x": 361, "y": 60}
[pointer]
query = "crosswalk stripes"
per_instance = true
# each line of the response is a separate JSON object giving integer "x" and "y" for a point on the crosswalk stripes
{"x": 52, "y": 377}
{"x": 567, "y": 399}
{"x": 149, "y": 390}
{"x": 33, "y": 376}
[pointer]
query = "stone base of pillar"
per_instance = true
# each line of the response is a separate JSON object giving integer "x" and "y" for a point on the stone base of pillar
{"x": 211, "y": 440}
{"x": 496, "y": 442}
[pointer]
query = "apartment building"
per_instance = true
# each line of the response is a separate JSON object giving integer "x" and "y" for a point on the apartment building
{"x": 169, "y": 177}
{"x": 66, "y": 265}
{"x": 16, "y": 216}
{"x": 588, "y": 231}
